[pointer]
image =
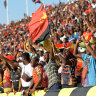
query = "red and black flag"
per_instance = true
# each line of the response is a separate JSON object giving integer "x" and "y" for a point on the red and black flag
{"x": 36, "y": 1}
{"x": 39, "y": 26}
{"x": 40, "y": 8}
{"x": 69, "y": 46}
{"x": 5, "y": 3}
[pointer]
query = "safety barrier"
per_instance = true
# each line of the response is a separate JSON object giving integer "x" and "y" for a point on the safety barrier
{"x": 83, "y": 91}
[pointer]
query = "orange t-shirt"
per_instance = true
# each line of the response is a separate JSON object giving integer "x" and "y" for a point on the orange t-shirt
{"x": 78, "y": 71}
{"x": 36, "y": 72}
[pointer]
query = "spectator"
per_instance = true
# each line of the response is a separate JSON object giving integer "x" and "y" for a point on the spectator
{"x": 52, "y": 71}
{"x": 15, "y": 77}
{"x": 7, "y": 84}
{"x": 27, "y": 70}
{"x": 68, "y": 69}
{"x": 88, "y": 78}
{"x": 38, "y": 79}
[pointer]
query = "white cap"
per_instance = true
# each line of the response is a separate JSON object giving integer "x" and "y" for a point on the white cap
{"x": 80, "y": 49}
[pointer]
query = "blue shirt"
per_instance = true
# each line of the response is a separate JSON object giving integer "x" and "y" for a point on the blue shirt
{"x": 71, "y": 38}
{"x": 76, "y": 36}
{"x": 91, "y": 75}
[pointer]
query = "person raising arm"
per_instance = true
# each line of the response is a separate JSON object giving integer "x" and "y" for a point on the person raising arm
{"x": 78, "y": 55}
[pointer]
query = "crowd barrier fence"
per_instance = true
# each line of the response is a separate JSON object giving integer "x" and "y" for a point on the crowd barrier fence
{"x": 82, "y": 91}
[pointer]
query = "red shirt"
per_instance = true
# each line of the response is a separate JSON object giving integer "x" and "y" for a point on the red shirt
{"x": 36, "y": 72}
{"x": 78, "y": 71}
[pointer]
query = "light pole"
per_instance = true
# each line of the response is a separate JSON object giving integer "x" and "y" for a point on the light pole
{"x": 27, "y": 6}
{"x": 7, "y": 12}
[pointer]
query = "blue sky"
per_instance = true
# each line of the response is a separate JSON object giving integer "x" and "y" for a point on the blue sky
{"x": 17, "y": 8}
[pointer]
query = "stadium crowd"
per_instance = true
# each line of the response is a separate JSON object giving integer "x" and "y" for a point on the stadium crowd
{"x": 29, "y": 66}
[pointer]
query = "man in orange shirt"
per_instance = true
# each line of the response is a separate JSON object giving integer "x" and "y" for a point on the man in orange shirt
{"x": 37, "y": 80}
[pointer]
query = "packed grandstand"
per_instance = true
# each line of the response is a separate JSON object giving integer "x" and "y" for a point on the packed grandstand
{"x": 65, "y": 58}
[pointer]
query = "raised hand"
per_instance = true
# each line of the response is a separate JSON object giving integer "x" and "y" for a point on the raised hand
{"x": 82, "y": 38}
{"x": 86, "y": 43}
{"x": 78, "y": 41}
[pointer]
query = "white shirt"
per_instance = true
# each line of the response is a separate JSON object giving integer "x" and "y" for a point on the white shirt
{"x": 93, "y": 5}
{"x": 27, "y": 69}
{"x": 41, "y": 58}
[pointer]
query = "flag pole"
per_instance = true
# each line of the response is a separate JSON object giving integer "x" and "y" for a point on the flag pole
{"x": 27, "y": 6}
{"x": 44, "y": 4}
{"x": 7, "y": 12}
{"x": 34, "y": 8}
